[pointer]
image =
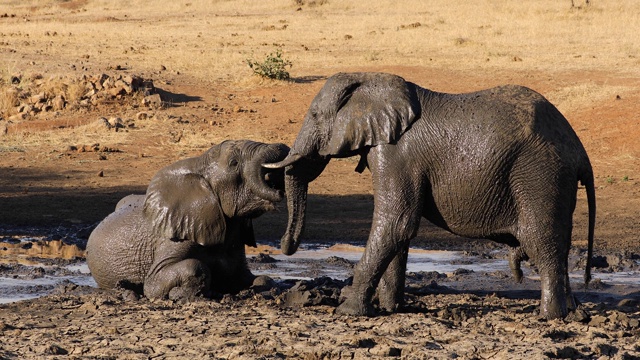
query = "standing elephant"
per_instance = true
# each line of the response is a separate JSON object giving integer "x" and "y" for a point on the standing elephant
{"x": 186, "y": 236}
{"x": 500, "y": 164}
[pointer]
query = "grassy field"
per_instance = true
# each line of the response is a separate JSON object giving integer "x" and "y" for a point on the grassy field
{"x": 212, "y": 39}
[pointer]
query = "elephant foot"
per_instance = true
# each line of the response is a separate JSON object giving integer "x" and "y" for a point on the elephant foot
{"x": 389, "y": 301}
{"x": 554, "y": 314}
{"x": 390, "y": 306}
{"x": 354, "y": 307}
{"x": 572, "y": 303}
{"x": 181, "y": 293}
{"x": 553, "y": 309}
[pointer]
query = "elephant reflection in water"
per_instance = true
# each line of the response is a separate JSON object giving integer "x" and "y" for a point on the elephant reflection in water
{"x": 186, "y": 237}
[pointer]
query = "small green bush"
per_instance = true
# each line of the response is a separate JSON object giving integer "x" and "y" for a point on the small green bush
{"x": 273, "y": 67}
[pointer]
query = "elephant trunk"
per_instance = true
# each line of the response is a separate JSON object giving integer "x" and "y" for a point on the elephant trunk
{"x": 296, "y": 191}
{"x": 300, "y": 171}
{"x": 268, "y": 183}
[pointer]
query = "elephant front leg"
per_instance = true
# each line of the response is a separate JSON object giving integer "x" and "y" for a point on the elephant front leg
{"x": 185, "y": 279}
{"x": 391, "y": 287}
{"x": 366, "y": 276}
{"x": 388, "y": 241}
{"x": 398, "y": 203}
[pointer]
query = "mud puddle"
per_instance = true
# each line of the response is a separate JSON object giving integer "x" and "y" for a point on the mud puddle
{"x": 38, "y": 273}
{"x": 338, "y": 261}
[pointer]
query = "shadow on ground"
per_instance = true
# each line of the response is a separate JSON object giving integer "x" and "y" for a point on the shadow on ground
{"x": 174, "y": 99}
{"x": 37, "y": 199}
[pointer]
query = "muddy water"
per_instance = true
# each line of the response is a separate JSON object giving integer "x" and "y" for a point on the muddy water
{"x": 337, "y": 262}
{"x": 45, "y": 265}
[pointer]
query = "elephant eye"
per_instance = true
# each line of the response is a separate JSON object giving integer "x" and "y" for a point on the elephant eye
{"x": 233, "y": 163}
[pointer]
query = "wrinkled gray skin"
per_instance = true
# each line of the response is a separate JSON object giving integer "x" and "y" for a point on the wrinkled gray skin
{"x": 500, "y": 164}
{"x": 186, "y": 237}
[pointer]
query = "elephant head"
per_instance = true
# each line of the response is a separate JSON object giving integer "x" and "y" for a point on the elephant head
{"x": 193, "y": 199}
{"x": 350, "y": 114}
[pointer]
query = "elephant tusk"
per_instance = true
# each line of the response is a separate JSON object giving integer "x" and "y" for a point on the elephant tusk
{"x": 290, "y": 159}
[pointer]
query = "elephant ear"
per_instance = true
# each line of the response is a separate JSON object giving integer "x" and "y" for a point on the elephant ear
{"x": 372, "y": 109}
{"x": 182, "y": 206}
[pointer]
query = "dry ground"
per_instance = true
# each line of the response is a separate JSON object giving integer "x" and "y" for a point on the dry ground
{"x": 586, "y": 60}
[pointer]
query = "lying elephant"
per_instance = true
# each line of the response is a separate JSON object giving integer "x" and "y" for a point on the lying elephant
{"x": 186, "y": 236}
{"x": 500, "y": 164}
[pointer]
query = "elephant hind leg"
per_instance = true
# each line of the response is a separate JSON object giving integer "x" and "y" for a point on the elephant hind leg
{"x": 555, "y": 293}
{"x": 550, "y": 254}
{"x": 516, "y": 256}
{"x": 185, "y": 279}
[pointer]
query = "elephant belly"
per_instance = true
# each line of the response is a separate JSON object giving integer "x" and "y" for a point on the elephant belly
{"x": 469, "y": 208}
{"x": 119, "y": 251}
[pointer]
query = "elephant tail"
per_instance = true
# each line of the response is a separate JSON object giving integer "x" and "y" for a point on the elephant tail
{"x": 587, "y": 180}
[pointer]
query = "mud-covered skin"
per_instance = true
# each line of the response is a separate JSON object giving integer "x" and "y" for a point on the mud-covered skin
{"x": 501, "y": 164}
{"x": 186, "y": 237}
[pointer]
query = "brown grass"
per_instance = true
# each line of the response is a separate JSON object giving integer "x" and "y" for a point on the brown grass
{"x": 8, "y": 99}
{"x": 211, "y": 40}
{"x": 208, "y": 42}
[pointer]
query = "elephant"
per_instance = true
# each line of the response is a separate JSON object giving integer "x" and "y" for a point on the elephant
{"x": 500, "y": 164}
{"x": 186, "y": 236}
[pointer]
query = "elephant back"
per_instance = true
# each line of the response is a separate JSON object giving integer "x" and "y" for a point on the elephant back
{"x": 119, "y": 248}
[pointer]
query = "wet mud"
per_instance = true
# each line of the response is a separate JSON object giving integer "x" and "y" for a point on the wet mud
{"x": 464, "y": 313}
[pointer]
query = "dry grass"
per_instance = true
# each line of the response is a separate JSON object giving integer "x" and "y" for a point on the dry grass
{"x": 572, "y": 97}
{"x": 8, "y": 99}
{"x": 211, "y": 40}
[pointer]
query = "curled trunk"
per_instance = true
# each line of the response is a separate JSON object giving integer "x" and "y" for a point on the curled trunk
{"x": 267, "y": 183}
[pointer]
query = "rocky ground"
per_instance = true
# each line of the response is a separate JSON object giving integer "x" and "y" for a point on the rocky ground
{"x": 463, "y": 314}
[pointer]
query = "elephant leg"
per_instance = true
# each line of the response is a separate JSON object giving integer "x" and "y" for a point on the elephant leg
{"x": 552, "y": 261}
{"x": 572, "y": 302}
{"x": 391, "y": 287}
{"x": 232, "y": 280}
{"x": 553, "y": 303}
{"x": 516, "y": 256}
{"x": 185, "y": 279}
{"x": 367, "y": 274}
{"x": 396, "y": 217}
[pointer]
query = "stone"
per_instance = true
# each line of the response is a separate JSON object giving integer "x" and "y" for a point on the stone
{"x": 597, "y": 320}
{"x": 263, "y": 282}
{"x": 102, "y": 123}
{"x": 152, "y": 101}
{"x": 58, "y": 103}
{"x": 38, "y": 98}
{"x": 126, "y": 87}
{"x": 115, "y": 91}
{"x": 18, "y": 117}
{"x": 116, "y": 122}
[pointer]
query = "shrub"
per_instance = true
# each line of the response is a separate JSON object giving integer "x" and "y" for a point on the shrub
{"x": 273, "y": 67}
